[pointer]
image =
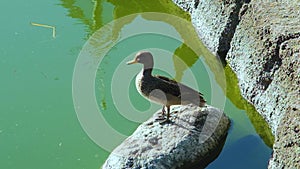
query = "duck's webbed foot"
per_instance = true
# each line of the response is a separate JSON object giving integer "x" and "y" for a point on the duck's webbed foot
{"x": 165, "y": 121}
{"x": 160, "y": 118}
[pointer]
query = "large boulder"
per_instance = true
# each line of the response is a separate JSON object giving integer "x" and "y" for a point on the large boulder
{"x": 193, "y": 138}
{"x": 215, "y": 21}
{"x": 287, "y": 145}
{"x": 261, "y": 43}
{"x": 265, "y": 54}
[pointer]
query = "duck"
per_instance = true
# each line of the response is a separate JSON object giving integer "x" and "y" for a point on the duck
{"x": 163, "y": 90}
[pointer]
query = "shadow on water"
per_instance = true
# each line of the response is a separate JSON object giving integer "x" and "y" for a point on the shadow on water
{"x": 97, "y": 13}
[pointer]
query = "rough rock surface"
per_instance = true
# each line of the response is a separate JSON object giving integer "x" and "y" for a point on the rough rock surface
{"x": 193, "y": 138}
{"x": 264, "y": 52}
{"x": 287, "y": 146}
{"x": 215, "y": 21}
{"x": 265, "y": 56}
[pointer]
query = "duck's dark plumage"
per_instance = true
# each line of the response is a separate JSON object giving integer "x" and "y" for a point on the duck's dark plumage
{"x": 161, "y": 89}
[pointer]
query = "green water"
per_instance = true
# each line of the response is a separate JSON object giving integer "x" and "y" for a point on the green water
{"x": 39, "y": 127}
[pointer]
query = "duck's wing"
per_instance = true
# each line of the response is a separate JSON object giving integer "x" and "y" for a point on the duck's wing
{"x": 177, "y": 89}
{"x": 168, "y": 86}
{"x": 167, "y": 79}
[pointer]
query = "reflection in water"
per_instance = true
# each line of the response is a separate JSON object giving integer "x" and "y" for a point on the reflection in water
{"x": 89, "y": 12}
{"x": 94, "y": 14}
{"x": 186, "y": 55}
{"x": 233, "y": 93}
{"x": 124, "y": 8}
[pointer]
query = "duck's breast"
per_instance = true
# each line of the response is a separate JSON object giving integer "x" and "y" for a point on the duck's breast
{"x": 138, "y": 83}
{"x": 148, "y": 89}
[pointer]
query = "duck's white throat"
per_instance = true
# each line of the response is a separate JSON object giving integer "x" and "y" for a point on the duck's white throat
{"x": 138, "y": 82}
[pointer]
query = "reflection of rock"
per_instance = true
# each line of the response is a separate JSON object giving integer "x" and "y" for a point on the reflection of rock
{"x": 195, "y": 138}
{"x": 261, "y": 42}
{"x": 184, "y": 57}
{"x": 87, "y": 11}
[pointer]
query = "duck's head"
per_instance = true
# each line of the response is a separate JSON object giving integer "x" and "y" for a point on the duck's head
{"x": 144, "y": 58}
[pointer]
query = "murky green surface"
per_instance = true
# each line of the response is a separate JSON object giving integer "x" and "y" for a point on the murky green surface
{"x": 39, "y": 127}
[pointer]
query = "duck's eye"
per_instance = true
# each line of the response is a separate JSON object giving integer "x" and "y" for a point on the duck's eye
{"x": 138, "y": 59}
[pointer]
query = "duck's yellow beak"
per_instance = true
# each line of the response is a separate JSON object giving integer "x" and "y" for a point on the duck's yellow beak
{"x": 132, "y": 62}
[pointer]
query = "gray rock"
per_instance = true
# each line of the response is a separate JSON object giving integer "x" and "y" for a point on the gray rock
{"x": 215, "y": 21}
{"x": 265, "y": 56}
{"x": 193, "y": 138}
{"x": 287, "y": 146}
{"x": 264, "y": 52}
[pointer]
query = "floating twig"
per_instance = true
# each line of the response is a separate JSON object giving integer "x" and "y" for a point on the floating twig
{"x": 46, "y": 26}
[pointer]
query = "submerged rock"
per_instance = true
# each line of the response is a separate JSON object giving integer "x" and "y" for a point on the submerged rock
{"x": 193, "y": 138}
